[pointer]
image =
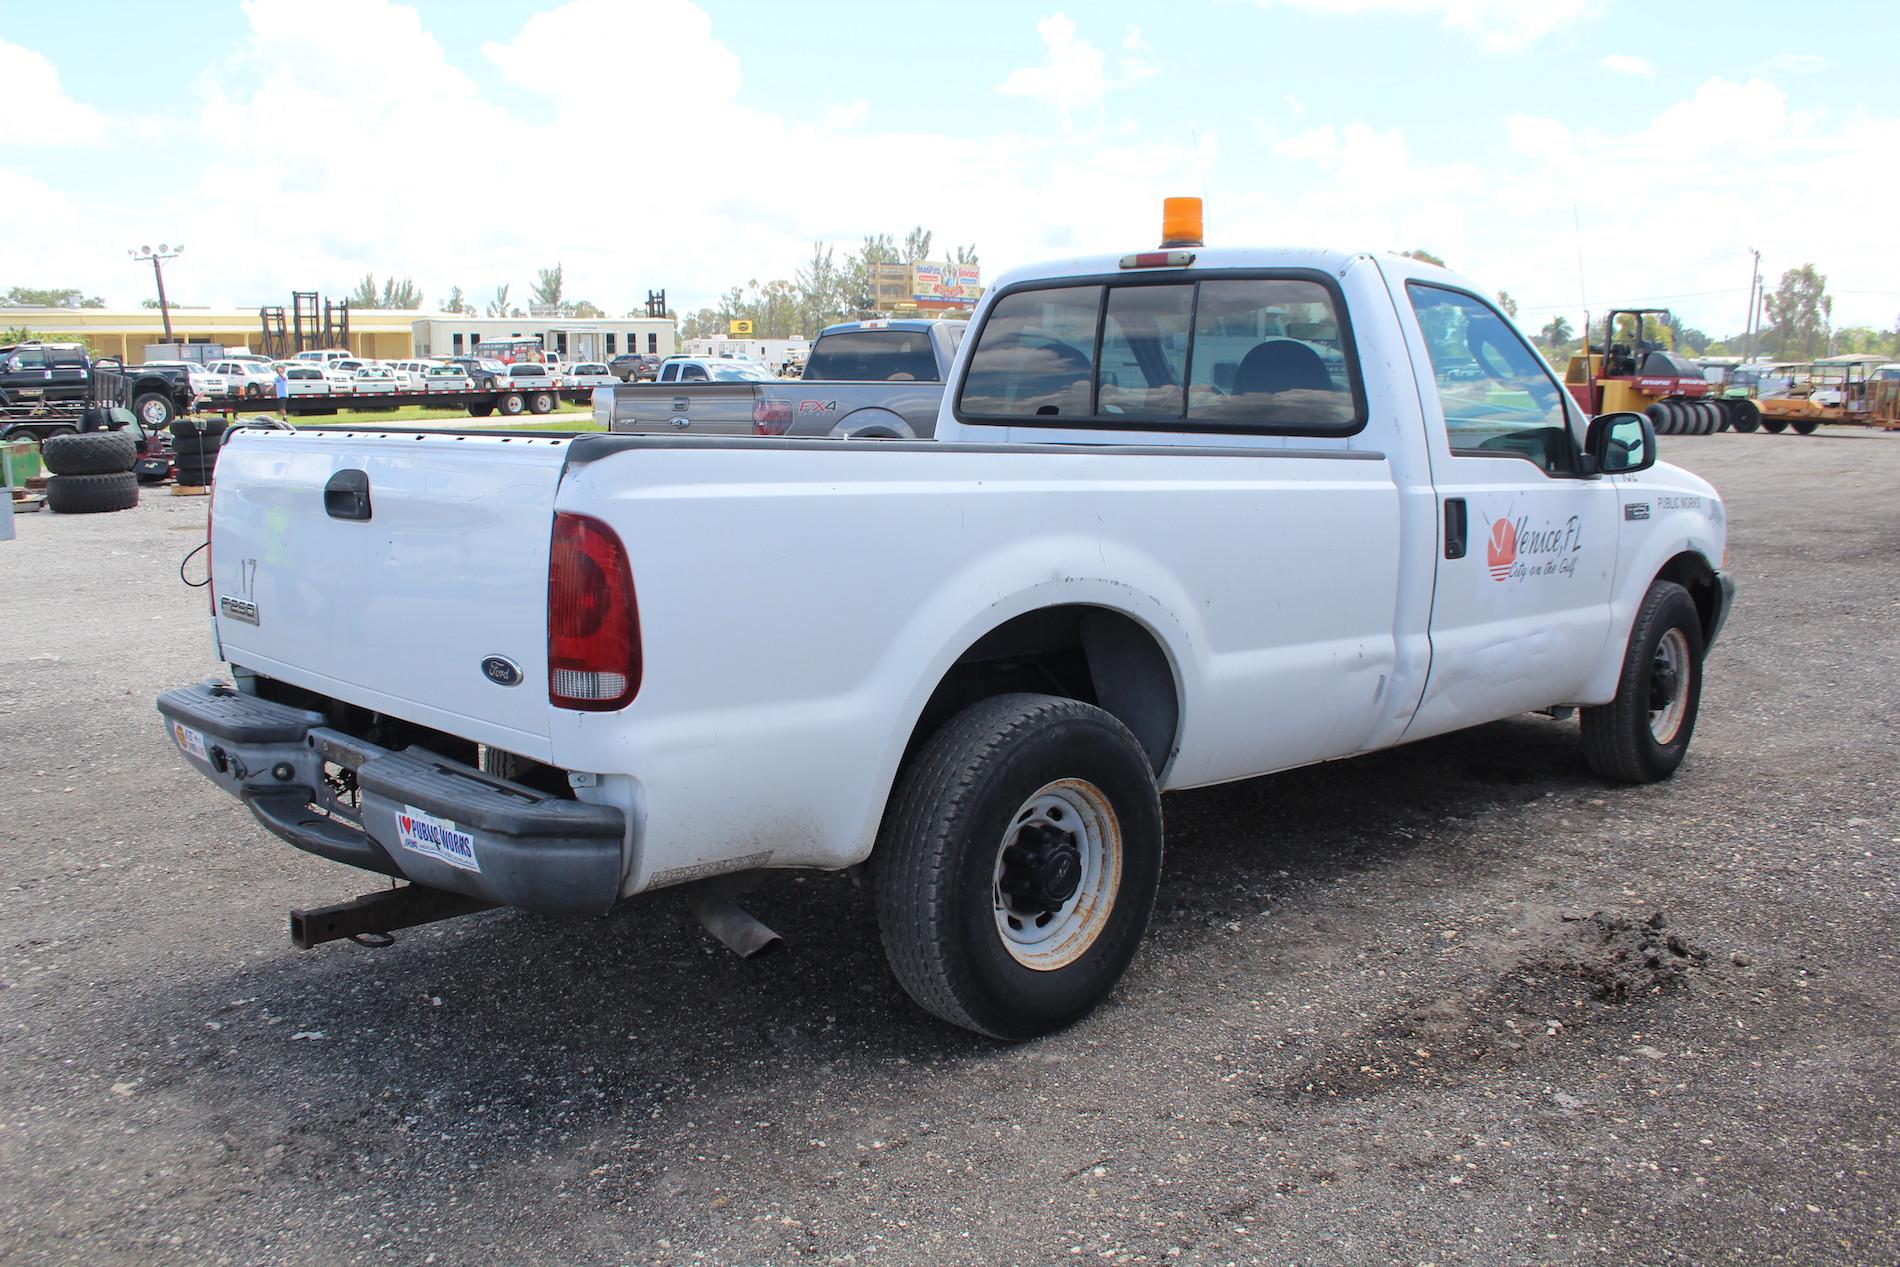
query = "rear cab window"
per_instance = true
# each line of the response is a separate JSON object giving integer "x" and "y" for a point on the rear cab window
{"x": 873, "y": 356}
{"x": 1266, "y": 352}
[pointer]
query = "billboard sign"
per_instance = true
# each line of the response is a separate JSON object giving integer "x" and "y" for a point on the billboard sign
{"x": 946, "y": 283}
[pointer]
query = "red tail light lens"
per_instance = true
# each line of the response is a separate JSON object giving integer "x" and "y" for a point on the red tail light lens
{"x": 593, "y": 624}
{"x": 771, "y": 417}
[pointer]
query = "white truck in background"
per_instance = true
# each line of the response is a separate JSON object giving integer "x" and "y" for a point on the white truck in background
{"x": 1192, "y": 515}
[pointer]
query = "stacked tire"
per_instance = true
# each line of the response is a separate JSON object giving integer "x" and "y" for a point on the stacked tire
{"x": 195, "y": 451}
{"x": 90, "y": 472}
{"x": 1688, "y": 417}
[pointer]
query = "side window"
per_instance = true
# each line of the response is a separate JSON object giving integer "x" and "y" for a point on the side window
{"x": 692, "y": 373}
{"x": 1499, "y": 400}
{"x": 30, "y": 358}
{"x": 669, "y": 373}
{"x": 1036, "y": 355}
{"x": 1144, "y": 352}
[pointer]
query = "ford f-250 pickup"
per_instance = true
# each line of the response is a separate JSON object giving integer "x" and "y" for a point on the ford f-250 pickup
{"x": 1193, "y": 515}
{"x": 864, "y": 380}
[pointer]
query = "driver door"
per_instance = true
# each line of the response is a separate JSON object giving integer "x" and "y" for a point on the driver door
{"x": 1527, "y": 547}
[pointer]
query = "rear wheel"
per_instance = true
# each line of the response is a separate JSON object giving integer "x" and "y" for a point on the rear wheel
{"x": 541, "y": 403}
{"x": 1806, "y": 426}
{"x": 512, "y": 404}
{"x": 1746, "y": 413}
{"x": 154, "y": 410}
{"x": 1658, "y": 415}
{"x": 1017, "y": 864}
{"x": 480, "y": 410}
{"x": 1643, "y": 734}
{"x": 1775, "y": 426}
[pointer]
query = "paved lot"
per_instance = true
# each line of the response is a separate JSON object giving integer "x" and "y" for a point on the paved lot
{"x": 1460, "y": 1003}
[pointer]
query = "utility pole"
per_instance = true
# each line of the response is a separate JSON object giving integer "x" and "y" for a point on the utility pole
{"x": 164, "y": 252}
{"x": 1754, "y": 285}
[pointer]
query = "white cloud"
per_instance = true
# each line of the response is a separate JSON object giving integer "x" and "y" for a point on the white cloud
{"x": 1500, "y": 26}
{"x": 1672, "y": 228}
{"x": 1072, "y": 76}
{"x": 847, "y": 115}
{"x": 1793, "y": 64}
{"x": 30, "y": 77}
{"x": 1628, "y": 64}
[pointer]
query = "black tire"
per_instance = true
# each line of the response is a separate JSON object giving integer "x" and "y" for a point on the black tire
{"x": 1747, "y": 415}
{"x": 1724, "y": 415}
{"x": 1658, "y": 415}
{"x": 541, "y": 403}
{"x": 91, "y": 453}
{"x": 1775, "y": 426}
{"x": 480, "y": 411}
{"x": 512, "y": 404}
{"x": 154, "y": 409}
{"x": 1619, "y": 738}
{"x": 192, "y": 474}
{"x": 960, "y": 801}
{"x": 1805, "y": 426}
{"x": 91, "y": 494}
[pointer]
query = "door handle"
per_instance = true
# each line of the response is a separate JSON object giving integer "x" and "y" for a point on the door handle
{"x": 1455, "y": 527}
{"x": 346, "y": 495}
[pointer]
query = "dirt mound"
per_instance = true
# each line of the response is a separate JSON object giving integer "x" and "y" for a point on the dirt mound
{"x": 1565, "y": 973}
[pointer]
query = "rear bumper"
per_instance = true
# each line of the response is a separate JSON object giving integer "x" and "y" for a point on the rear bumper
{"x": 434, "y": 821}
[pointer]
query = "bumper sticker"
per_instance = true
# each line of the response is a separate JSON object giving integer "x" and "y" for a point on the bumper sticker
{"x": 437, "y": 838}
{"x": 191, "y": 741}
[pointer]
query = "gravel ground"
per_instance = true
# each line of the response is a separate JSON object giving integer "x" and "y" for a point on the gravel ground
{"x": 1459, "y": 1003}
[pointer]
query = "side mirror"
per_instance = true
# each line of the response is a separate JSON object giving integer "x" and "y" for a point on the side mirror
{"x": 1621, "y": 443}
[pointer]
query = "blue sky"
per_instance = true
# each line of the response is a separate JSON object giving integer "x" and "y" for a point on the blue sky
{"x": 655, "y": 143}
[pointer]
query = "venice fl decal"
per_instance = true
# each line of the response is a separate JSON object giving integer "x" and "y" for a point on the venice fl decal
{"x": 1517, "y": 550}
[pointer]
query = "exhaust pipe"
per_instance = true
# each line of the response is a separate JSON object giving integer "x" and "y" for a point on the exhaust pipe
{"x": 376, "y": 915}
{"x": 738, "y": 928}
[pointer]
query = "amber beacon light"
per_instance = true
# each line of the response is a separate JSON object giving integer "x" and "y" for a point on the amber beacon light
{"x": 1181, "y": 222}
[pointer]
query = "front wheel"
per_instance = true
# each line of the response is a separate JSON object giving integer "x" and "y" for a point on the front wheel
{"x": 1643, "y": 734}
{"x": 1017, "y": 864}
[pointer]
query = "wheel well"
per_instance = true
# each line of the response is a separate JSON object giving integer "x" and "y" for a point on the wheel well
{"x": 1080, "y": 652}
{"x": 1693, "y": 573}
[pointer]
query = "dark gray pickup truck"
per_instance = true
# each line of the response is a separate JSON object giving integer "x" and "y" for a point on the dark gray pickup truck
{"x": 864, "y": 380}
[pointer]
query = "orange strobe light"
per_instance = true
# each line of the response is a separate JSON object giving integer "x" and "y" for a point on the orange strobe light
{"x": 1181, "y": 222}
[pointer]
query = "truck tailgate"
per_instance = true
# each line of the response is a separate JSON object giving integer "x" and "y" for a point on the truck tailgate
{"x": 719, "y": 409}
{"x": 394, "y": 603}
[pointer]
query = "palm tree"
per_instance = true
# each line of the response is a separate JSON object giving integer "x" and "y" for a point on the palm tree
{"x": 1556, "y": 332}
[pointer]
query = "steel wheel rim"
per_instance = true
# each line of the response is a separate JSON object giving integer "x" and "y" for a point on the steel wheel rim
{"x": 1670, "y": 675}
{"x": 153, "y": 413}
{"x": 1076, "y": 813}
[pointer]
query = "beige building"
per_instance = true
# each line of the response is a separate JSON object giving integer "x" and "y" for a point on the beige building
{"x": 127, "y": 332}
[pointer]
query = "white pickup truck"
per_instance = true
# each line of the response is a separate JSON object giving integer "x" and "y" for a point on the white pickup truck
{"x": 1192, "y": 516}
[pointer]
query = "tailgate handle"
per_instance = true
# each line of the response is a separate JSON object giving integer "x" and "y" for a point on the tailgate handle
{"x": 346, "y": 496}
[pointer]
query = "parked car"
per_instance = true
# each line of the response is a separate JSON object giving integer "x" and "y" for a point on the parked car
{"x": 905, "y": 362}
{"x": 203, "y": 381}
{"x": 447, "y": 378}
{"x": 1157, "y": 544}
{"x": 485, "y": 373}
{"x": 303, "y": 378}
{"x": 374, "y": 380}
{"x": 581, "y": 378}
{"x": 526, "y": 386}
{"x": 414, "y": 375}
{"x": 325, "y": 356}
{"x": 248, "y": 378}
{"x": 631, "y": 366}
{"x": 46, "y": 389}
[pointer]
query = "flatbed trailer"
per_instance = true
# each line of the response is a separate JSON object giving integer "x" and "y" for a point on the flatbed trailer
{"x": 480, "y": 402}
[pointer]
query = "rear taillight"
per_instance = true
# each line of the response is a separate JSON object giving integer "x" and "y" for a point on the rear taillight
{"x": 771, "y": 417}
{"x": 593, "y": 625}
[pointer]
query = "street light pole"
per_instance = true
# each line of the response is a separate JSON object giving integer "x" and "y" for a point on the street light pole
{"x": 1754, "y": 284}
{"x": 164, "y": 252}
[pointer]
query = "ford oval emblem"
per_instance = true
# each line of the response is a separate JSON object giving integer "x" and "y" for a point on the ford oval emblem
{"x": 502, "y": 671}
